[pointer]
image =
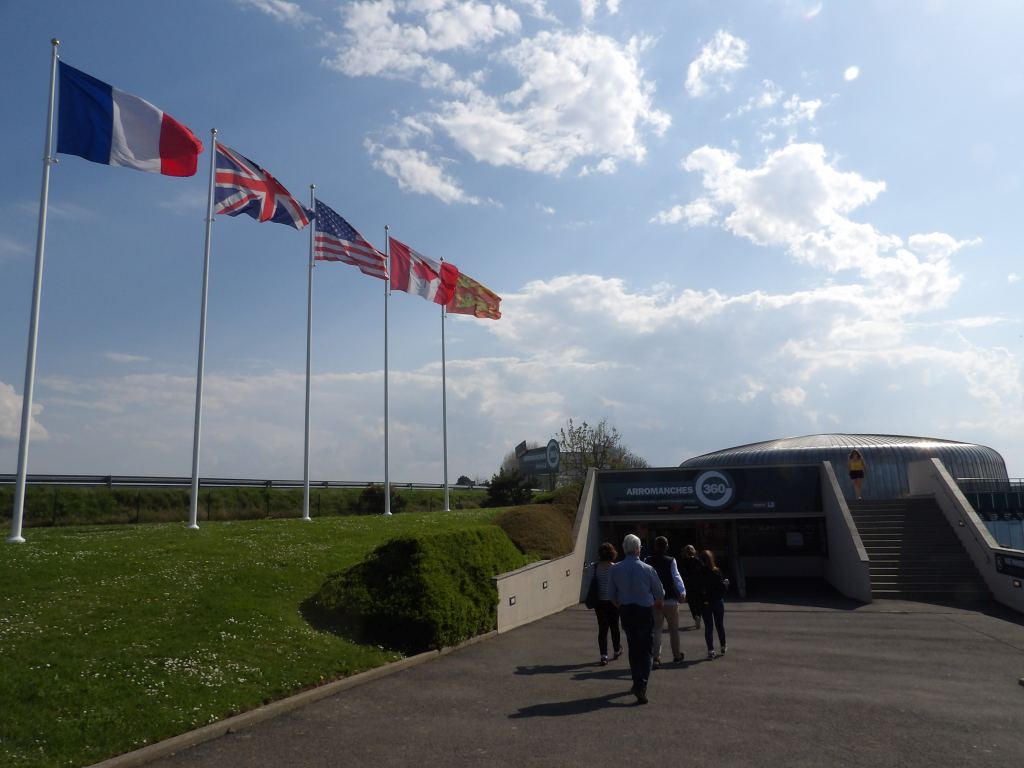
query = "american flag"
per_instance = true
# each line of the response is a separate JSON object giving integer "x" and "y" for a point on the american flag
{"x": 336, "y": 240}
{"x": 244, "y": 187}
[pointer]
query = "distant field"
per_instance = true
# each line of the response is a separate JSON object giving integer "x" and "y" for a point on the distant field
{"x": 112, "y": 637}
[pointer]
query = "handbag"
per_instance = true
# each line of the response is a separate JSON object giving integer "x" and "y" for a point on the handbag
{"x": 592, "y": 595}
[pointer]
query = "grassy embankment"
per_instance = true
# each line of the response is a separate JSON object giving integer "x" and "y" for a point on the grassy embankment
{"x": 54, "y": 505}
{"x": 112, "y": 637}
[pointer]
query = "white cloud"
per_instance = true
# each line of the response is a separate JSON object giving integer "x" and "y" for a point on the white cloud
{"x": 124, "y": 357}
{"x": 69, "y": 211}
{"x": 415, "y": 171}
{"x": 1012, "y": 278}
{"x": 795, "y": 111}
{"x": 694, "y": 214}
{"x": 581, "y": 95}
{"x": 10, "y": 416}
{"x": 376, "y": 43}
{"x": 572, "y": 96}
{"x": 10, "y": 247}
{"x": 279, "y": 10}
{"x": 537, "y": 8}
{"x": 792, "y": 396}
{"x": 770, "y": 95}
{"x": 797, "y": 200}
{"x": 813, "y": 11}
{"x": 717, "y": 62}
{"x": 588, "y": 8}
{"x": 851, "y": 73}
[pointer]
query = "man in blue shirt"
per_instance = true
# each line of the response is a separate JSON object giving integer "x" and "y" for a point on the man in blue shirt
{"x": 636, "y": 589}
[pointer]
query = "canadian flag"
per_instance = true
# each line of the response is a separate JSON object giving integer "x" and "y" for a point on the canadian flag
{"x": 413, "y": 272}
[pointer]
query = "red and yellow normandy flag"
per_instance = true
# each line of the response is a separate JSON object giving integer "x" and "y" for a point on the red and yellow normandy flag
{"x": 472, "y": 298}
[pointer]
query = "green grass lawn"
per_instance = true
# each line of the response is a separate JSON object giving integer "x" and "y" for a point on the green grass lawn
{"x": 115, "y": 637}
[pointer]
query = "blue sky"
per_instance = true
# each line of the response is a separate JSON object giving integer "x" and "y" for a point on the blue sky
{"x": 711, "y": 223}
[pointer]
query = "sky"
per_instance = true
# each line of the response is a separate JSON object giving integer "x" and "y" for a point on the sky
{"x": 711, "y": 223}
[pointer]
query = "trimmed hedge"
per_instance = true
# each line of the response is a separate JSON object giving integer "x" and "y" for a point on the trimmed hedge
{"x": 538, "y": 530}
{"x": 543, "y": 530}
{"x": 417, "y": 593}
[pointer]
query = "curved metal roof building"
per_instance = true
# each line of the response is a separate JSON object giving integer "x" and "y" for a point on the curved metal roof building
{"x": 885, "y": 456}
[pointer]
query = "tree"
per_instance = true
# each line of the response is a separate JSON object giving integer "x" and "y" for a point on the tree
{"x": 584, "y": 446}
{"x": 507, "y": 489}
{"x": 463, "y": 480}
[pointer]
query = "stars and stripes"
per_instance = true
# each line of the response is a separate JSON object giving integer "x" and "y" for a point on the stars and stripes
{"x": 244, "y": 187}
{"x": 337, "y": 240}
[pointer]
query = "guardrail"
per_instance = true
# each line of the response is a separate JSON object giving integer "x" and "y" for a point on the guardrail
{"x": 988, "y": 485}
{"x": 143, "y": 481}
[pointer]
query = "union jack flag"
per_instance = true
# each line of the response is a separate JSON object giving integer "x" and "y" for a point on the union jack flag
{"x": 244, "y": 187}
{"x": 337, "y": 240}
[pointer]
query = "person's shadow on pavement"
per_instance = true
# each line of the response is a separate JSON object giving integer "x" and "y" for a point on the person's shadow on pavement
{"x": 575, "y": 707}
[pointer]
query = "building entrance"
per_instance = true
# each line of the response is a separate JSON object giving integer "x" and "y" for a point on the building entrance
{"x": 717, "y": 535}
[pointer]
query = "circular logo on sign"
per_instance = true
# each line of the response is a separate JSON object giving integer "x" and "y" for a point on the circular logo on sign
{"x": 552, "y": 455}
{"x": 714, "y": 489}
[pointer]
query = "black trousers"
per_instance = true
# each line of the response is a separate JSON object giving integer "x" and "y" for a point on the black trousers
{"x": 638, "y": 623}
{"x": 607, "y": 619}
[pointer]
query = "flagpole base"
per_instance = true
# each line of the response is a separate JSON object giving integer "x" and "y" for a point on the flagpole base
{"x": 193, "y": 527}
{"x": 307, "y": 519}
{"x": 15, "y": 540}
{"x": 387, "y": 514}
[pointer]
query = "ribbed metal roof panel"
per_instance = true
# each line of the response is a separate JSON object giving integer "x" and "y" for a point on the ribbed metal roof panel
{"x": 886, "y": 458}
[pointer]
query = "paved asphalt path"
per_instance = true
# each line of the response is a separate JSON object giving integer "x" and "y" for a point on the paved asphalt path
{"x": 822, "y": 683}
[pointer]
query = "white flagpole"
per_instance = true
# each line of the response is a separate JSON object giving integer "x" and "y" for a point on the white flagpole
{"x": 18, "y": 512}
{"x": 444, "y": 412}
{"x": 309, "y": 351}
{"x": 193, "y": 512}
{"x": 387, "y": 292}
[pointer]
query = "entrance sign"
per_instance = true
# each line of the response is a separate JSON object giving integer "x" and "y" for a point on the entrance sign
{"x": 789, "y": 490}
{"x": 552, "y": 455}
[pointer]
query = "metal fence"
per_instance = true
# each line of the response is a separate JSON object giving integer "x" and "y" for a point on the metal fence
{"x": 143, "y": 481}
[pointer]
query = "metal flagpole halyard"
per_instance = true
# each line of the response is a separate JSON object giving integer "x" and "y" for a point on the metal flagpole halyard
{"x": 444, "y": 412}
{"x": 193, "y": 511}
{"x": 387, "y": 292}
{"x": 309, "y": 350}
{"x": 18, "y": 512}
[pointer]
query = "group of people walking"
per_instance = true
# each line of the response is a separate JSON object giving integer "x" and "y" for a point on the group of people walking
{"x": 645, "y": 594}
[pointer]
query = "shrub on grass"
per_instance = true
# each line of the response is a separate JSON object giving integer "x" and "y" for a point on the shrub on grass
{"x": 417, "y": 593}
{"x": 539, "y": 530}
{"x": 506, "y": 489}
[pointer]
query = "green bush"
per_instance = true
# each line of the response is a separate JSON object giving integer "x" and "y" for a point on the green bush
{"x": 507, "y": 489}
{"x": 417, "y": 593}
{"x": 538, "y": 530}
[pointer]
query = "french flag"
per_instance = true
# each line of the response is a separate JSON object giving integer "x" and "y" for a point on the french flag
{"x": 102, "y": 124}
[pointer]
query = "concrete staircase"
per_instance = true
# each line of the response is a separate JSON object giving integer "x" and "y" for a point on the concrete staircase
{"x": 914, "y": 553}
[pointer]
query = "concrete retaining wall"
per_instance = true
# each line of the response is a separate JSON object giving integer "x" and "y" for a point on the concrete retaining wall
{"x": 547, "y": 587}
{"x": 848, "y": 566}
{"x": 930, "y": 478}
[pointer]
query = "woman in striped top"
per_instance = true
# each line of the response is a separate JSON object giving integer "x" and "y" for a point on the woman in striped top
{"x": 607, "y": 613}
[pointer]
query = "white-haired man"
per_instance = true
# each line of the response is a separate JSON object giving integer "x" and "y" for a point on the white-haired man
{"x": 636, "y": 589}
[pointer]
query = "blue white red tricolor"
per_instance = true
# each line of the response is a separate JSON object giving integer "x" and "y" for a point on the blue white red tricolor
{"x": 337, "y": 240}
{"x": 106, "y": 125}
{"x": 413, "y": 272}
{"x": 244, "y": 187}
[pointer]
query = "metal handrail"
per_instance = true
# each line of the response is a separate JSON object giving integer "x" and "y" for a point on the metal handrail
{"x": 145, "y": 481}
